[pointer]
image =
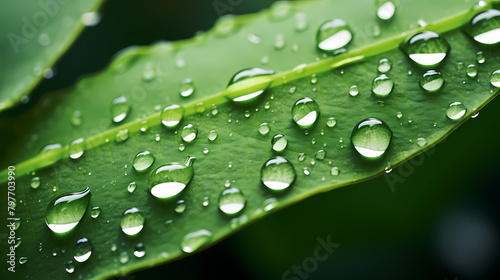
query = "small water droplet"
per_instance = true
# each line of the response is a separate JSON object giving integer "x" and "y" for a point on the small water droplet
{"x": 144, "y": 126}
{"x": 371, "y": 137}
{"x": 320, "y": 155}
{"x": 186, "y": 87}
{"x": 257, "y": 80}
{"x": 180, "y": 206}
{"x": 455, "y": 111}
{"x": 206, "y": 151}
{"x": 334, "y": 171}
{"x": 421, "y": 142}
{"x": 143, "y": 160}
{"x": 247, "y": 112}
{"x": 23, "y": 260}
{"x": 431, "y": 81}
{"x": 277, "y": 174}
{"x": 480, "y": 57}
{"x": 385, "y": 9}
{"x": 139, "y": 250}
{"x": 333, "y": 35}
{"x": 475, "y": 115}
{"x": 485, "y": 27}
{"x": 314, "y": 79}
{"x": 301, "y": 22}
{"x": 132, "y": 221}
{"x": 353, "y": 90}
{"x": 384, "y": 65}
{"x": 264, "y": 129}
{"x": 120, "y": 109}
{"x": 194, "y": 240}
{"x": 65, "y": 211}
{"x": 76, "y": 148}
{"x": 231, "y": 201}
{"x": 90, "y": 18}
{"x": 252, "y": 38}
{"x": 374, "y": 29}
{"x": 70, "y": 267}
{"x": 382, "y": 86}
{"x": 212, "y": 135}
{"x": 427, "y": 48}
{"x": 170, "y": 179}
{"x": 279, "y": 41}
{"x": 306, "y": 171}
{"x": 172, "y": 115}
{"x": 279, "y": 142}
{"x": 181, "y": 147}
{"x": 35, "y": 182}
{"x": 44, "y": 39}
{"x": 82, "y": 250}
{"x": 131, "y": 187}
{"x": 225, "y": 26}
{"x": 123, "y": 258}
{"x": 305, "y": 112}
{"x": 76, "y": 118}
{"x": 206, "y": 201}
{"x": 157, "y": 137}
{"x": 121, "y": 135}
{"x": 331, "y": 122}
{"x": 472, "y": 70}
{"x": 495, "y": 78}
{"x": 95, "y": 212}
{"x": 189, "y": 133}
{"x": 292, "y": 90}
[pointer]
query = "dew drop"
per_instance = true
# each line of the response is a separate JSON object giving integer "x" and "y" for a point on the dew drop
{"x": 279, "y": 142}
{"x": 95, "y": 212}
{"x": 23, "y": 260}
{"x": 421, "y": 142}
{"x": 132, "y": 221}
{"x": 280, "y": 10}
{"x": 231, "y": 201}
{"x": 320, "y": 155}
{"x": 139, "y": 250}
{"x": 385, "y": 9}
{"x": 157, "y": 138}
{"x": 256, "y": 80}
{"x": 371, "y": 137}
{"x": 123, "y": 257}
{"x": 333, "y": 35}
{"x": 181, "y": 147}
{"x": 70, "y": 267}
{"x": 495, "y": 78}
{"x": 170, "y": 179}
{"x": 305, "y": 112}
{"x": 382, "y": 86}
{"x": 120, "y": 109}
{"x": 212, "y": 135}
{"x": 131, "y": 187}
{"x": 384, "y": 65}
{"x": 189, "y": 133}
{"x": 277, "y": 174}
{"x": 91, "y": 18}
{"x": 186, "y": 87}
{"x": 82, "y": 250}
{"x": 76, "y": 148}
{"x": 314, "y": 79}
{"x": 76, "y": 118}
{"x": 143, "y": 160}
{"x": 225, "y": 26}
{"x": 427, "y": 48}
{"x": 455, "y": 111}
{"x": 334, "y": 171}
{"x": 301, "y": 22}
{"x": 431, "y": 81}
{"x": 331, "y": 122}
{"x": 485, "y": 27}
{"x": 480, "y": 57}
{"x": 472, "y": 70}
{"x": 172, "y": 115}
{"x": 144, "y": 126}
{"x": 35, "y": 182}
{"x": 206, "y": 151}
{"x": 279, "y": 41}
{"x": 247, "y": 112}
{"x": 180, "y": 206}
{"x": 353, "y": 90}
{"x": 194, "y": 240}
{"x": 65, "y": 211}
{"x": 264, "y": 129}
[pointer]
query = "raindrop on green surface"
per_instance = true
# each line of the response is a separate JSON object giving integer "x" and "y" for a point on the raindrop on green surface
{"x": 181, "y": 147}
{"x": 256, "y": 80}
{"x": 212, "y": 135}
{"x": 333, "y": 35}
{"x": 70, "y": 267}
{"x": 231, "y": 201}
{"x": 65, "y": 211}
{"x": 279, "y": 41}
{"x": 247, "y": 112}
{"x": 353, "y": 90}
{"x": 170, "y": 179}
{"x": 382, "y": 86}
{"x": 384, "y": 65}
{"x": 331, "y": 122}
{"x": 385, "y": 9}
{"x": 77, "y": 148}
{"x": 189, "y": 133}
{"x": 131, "y": 187}
{"x": 301, "y": 22}
{"x": 206, "y": 201}
{"x": 334, "y": 171}
{"x": 76, "y": 118}
{"x": 421, "y": 142}
{"x": 144, "y": 126}
{"x": 371, "y": 137}
{"x": 172, "y": 115}
{"x": 495, "y": 78}
{"x": 225, "y": 26}
{"x": 143, "y": 160}
{"x": 186, "y": 87}
{"x": 480, "y": 58}
{"x": 206, "y": 151}
{"x": 132, "y": 221}
{"x": 280, "y": 10}
{"x": 120, "y": 109}
{"x": 305, "y": 112}
{"x": 180, "y": 206}
{"x": 427, "y": 48}
{"x": 320, "y": 155}
{"x": 194, "y": 240}
{"x": 277, "y": 174}
{"x": 121, "y": 135}
{"x": 485, "y": 27}
{"x": 95, "y": 212}
{"x": 314, "y": 79}
{"x": 82, "y": 250}
{"x": 35, "y": 182}
{"x": 431, "y": 81}
{"x": 264, "y": 129}
{"x": 279, "y": 142}
{"x": 399, "y": 115}
{"x": 23, "y": 260}
{"x": 123, "y": 258}
{"x": 455, "y": 111}
{"x": 139, "y": 250}
{"x": 472, "y": 70}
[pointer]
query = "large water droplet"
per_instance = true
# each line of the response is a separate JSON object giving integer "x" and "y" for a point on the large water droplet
{"x": 385, "y": 9}
{"x": 277, "y": 174}
{"x": 172, "y": 115}
{"x": 188, "y": 133}
{"x": 143, "y": 160}
{"x": 170, "y": 179}
{"x": 65, "y": 211}
{"x": 485, "y": 27}
{"x": 82, "y": 250}
{"x": 305, "y": 112}
{"x": 431, "y": 81}
{"x": 76, "y": 148}
{"x": 371, "y": 137}
{"x": 186, "y": 87}
{"x": 427, "y": 49}
{"x": 455, "y": 111}
{"x": 253, "y": 80}
{"x": 194, "y": 240}
{"x": 279, "y": 142}
{"x": 382, "y": 86}
{"x": 231, "y": 201}
{"x": 333, "y": 35}
{"x": 495, "y": 78}
{"x": 132, "y": 221}
{"x": 120, "y": 109}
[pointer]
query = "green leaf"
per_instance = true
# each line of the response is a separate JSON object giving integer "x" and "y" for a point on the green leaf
{"x": 150, "y": 76}
{"x": 34, "y": 36}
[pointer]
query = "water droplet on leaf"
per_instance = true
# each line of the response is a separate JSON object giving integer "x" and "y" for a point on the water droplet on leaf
{"x": 143, "y": 160}
{"x": 231, "y": 201}
{"x": 76, "y": 148}
{"x": 194, "y": 240}
{"x": 371, "y": 137}
{"x": 279, "y": 142}
{"x": 65, "y": 211}
{"x": 82, "y": 250}
{"x": 120, "y": 109}
{"x": 382, "y": 86}
{"x": 170, "y": 179}
{"x": 333, "y": 35}
{"x": 172, "y": 115}
{"x": 431, "y": 81}
{"x": 277, "y": 174}
{"x": 132, "y": 221}
{"x": 427, "y": 48}
{"x": 256, "y": 80}
{"x": 305, "y": 112}
{"x": 485, "y": 27}
{"x": 385, "y": 9}
{"x": 455, "y": 111}
{"x": 189, "y": 133}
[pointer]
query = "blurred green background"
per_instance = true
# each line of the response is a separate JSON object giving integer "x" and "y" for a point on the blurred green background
{"x": 440, "y": 221}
